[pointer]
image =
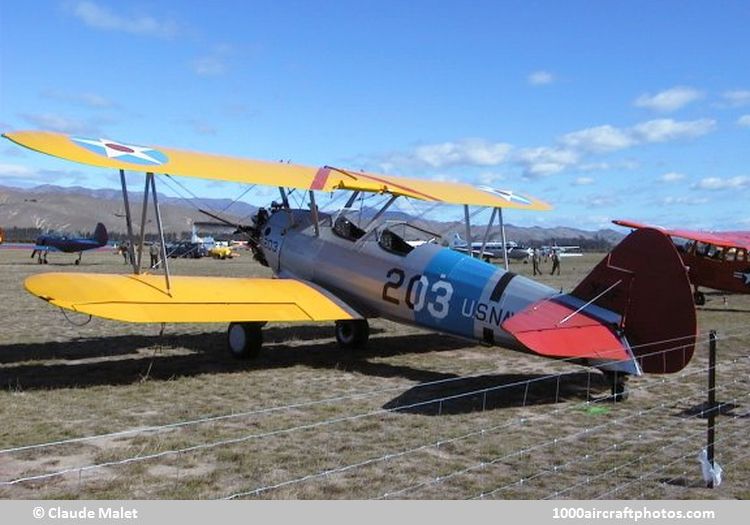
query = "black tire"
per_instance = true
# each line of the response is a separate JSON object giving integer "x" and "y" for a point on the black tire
{"x": 352, "y": 335}
{"x": 699, "y": 298}
{"x": 244, "y": 340}
{"x": 77, "y": 262}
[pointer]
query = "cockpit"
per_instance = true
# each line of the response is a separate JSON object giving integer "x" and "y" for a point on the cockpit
{"x": 346, "y": 229}
{"x": 393, "y": 243}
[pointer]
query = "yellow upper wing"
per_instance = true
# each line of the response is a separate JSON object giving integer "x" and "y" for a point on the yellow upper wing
{"x": 143, "y": 298}
{"x": 118, "y": 155}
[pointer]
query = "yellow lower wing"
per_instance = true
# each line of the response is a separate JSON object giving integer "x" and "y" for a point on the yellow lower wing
{"x": 144, "y": 299}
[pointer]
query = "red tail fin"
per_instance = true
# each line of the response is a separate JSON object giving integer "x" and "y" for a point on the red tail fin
{"x": 651, "y": 291}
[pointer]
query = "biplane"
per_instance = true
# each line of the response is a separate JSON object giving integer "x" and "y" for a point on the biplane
{"x": 62, "y": 243}
{"x": 717, "y": 260}
{"x": 632, "y": 314}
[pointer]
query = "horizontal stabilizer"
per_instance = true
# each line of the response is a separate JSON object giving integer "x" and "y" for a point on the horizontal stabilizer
{"x": 144, "y": 298}
{"x": 561, "y": 328}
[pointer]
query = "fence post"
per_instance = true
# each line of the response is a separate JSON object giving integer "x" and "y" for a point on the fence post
{"x": 711, "y": 400}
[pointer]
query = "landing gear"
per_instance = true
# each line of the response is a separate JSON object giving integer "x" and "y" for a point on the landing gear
{"x": 78, "y": 261}
{"x": 698, "y": 297}
{"x": 244, "y": 340}
{"x": 351, "y": 335}
{"x": 618, "y": 383}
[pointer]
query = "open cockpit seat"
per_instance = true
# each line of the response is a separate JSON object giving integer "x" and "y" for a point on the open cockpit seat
{"x": 393, "y": 243}
{"x": 346, "y": 229}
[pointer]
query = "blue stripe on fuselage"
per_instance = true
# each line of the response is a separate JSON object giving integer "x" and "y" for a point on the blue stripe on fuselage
{"x": 468, "y": 278}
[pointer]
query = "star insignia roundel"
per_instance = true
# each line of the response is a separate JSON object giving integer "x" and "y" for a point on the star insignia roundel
{"x": 506, "y": 194}
{"x": 115, "y": 150}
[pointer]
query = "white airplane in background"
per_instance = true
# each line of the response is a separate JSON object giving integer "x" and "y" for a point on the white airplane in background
{"x": 562, "y": 251}
{"x": 492, "y": 249}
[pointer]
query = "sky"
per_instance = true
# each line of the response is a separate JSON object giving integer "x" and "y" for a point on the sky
{"x": 604, "y": 109}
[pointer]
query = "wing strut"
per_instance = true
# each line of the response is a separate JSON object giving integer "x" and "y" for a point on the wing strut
{"x": 137, "y": 261}
{"x": 161, "y": 231}
{"x": 502, "y": 238}
{"x": 487, "y": 232}
{"x": 128, "y": 221}
{"x": 470, "y": 251}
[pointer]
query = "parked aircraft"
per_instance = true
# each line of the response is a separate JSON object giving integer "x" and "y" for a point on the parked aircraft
{"x": 632, "y": 314}
{"x": 717, "y": 260}
{"x": 492, "y": 249}
{"x": 562, "y": 251}
{"x": 62, "y": 243}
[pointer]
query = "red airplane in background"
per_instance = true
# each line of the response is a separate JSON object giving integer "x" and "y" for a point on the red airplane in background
{"x": 717, "y": 260}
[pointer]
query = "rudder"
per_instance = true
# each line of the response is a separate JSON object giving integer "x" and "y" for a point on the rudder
{"x": 649, "y": 287}
{"x": 100, "y": 234}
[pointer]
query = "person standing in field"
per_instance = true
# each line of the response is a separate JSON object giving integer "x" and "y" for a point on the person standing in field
{"x": 153, "y": 251}
{"x": 555, "y": 262}
{"x": 535, "y": 257}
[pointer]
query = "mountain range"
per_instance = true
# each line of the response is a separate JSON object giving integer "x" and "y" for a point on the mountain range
{"x": 78, "y": 209}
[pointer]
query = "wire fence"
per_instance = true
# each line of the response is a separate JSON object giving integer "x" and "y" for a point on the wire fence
{"x": 547, "y": 461}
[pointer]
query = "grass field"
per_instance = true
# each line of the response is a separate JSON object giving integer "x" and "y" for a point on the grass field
{"x": 416, "y": 415}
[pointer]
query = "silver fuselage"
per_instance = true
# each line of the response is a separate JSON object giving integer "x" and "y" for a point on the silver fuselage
{"x": 430, "y": 286}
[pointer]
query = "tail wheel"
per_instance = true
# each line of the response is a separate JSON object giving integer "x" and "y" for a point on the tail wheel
{"x": 618, "y": 386}
{"x": 244, "y": 340}
{"x": 352, "y": 334}
{"x": 699, "y": 298}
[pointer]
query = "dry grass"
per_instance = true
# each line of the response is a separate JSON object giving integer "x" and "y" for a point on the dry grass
{"x": 546, "y": 438}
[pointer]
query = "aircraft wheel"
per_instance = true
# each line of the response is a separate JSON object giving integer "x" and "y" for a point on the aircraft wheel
{"x": 77, "y": 262}
{"x": 40, "y": 261}
{"x": 618, "y": 386}
{"x": 699, "y": 298}
{"x": 244, "y": 340}
{"x": 351, "y": 335}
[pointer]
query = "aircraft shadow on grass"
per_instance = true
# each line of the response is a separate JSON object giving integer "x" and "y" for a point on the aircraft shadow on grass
{"x": 496, "y": 391}
{"x": 87, "y": 366}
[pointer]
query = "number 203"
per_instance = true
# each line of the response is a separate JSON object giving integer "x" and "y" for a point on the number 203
{"x": 415, "y": 296}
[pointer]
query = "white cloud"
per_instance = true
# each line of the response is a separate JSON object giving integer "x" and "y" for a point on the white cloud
{"x": 209, "y": 66}
{"x": 668, "y": 100}
{"x": 91, "y": 100}
{"x": 16, "y": 171}
{"x": 583, "y": 181}
{"x": 662, "y": 130}
{"x": 744, "y": 121}
{"x": 540, "y": 78}
{"x": 468, "y": 152}
{"x": 214, "y": 62}
{"x": 544, "y": 161}
{"x": 598, "y": 139}
{"x": 55, "y": 122}
{"x": 671, "y": 176}
{"x": 489, "y": 178}
{"x": 672, "y": 201}
{"x": 737, "y": 97}
{"x": 718, "y": 183}
{"x": 600, "y": 201}
{"x": 100, "y": 17}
